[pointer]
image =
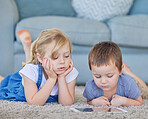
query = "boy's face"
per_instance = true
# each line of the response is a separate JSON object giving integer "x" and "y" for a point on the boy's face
{"x": 106, "y": 77}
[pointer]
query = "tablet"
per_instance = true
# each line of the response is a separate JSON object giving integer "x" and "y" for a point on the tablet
{"x": 106, "y": 109}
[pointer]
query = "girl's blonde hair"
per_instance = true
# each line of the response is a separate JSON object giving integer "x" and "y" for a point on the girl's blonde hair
{"x": 45, "y": 38}
{"x": 104, "y": 53}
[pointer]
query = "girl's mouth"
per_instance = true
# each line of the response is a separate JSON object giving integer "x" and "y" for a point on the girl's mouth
{"x": 61, "y": 68}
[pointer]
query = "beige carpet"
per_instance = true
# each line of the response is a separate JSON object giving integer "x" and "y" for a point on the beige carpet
{"x": 21, "y": 110}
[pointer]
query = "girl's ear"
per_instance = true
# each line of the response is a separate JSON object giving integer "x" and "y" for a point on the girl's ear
{"x": 39, "y": 58}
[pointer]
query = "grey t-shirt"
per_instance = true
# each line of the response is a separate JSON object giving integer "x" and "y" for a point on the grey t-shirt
{"x": 126, "y": 87}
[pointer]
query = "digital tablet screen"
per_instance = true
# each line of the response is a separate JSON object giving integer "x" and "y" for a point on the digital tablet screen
{"x": 107, "y": 109}
{"x": 85, "y": 109}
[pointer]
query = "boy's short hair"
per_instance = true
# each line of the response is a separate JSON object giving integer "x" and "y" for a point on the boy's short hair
{"x": 104, "y": 53}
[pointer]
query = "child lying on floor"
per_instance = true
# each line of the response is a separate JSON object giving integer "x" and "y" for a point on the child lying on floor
{"x": 109, "y": 85}
{"x": 48, "y": 75}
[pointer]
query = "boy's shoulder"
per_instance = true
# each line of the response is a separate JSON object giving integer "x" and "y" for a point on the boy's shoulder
{"x": 126, "y": 80}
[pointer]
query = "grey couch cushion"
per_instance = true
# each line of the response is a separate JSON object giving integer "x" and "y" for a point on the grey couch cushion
{"x": 80, "y": 31}
{"x": 130, "y": 30}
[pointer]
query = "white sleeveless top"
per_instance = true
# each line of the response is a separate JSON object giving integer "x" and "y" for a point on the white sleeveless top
{"x": 31, "y": 71}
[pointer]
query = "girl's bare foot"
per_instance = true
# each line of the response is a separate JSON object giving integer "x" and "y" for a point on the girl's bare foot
{"x": 25, "y": 37}
{"x": 1, "y": 78}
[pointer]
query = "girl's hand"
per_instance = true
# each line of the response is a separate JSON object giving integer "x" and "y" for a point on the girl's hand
{"x": 48, "y": 67}
{"x": 67, "y": 70}
{"x": 117, "y": 100}
{"x": 101, "y": 101}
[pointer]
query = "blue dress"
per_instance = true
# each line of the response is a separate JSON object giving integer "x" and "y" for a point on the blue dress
{"x": 11, "y": 88}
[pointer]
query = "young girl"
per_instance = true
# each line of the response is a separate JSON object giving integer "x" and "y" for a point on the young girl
{"x": 109, "y": 85}
{"x": 49, "y": 76}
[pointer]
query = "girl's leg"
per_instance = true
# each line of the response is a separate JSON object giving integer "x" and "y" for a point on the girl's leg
{"x": 25, "y": 37}
{"x": 141, "y": 84}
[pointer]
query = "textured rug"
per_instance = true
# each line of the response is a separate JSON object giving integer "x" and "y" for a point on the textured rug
{"x": 21, "y": 110}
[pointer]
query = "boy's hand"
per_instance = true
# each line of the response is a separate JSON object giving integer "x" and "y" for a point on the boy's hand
{"x": 48, "y": 67}
{"x": 101, "y": 101}
{"x": 117, "y": 100}
{"x": 67, "y": 70}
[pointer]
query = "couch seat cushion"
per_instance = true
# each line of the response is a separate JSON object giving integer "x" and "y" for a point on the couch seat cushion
{"x": 80, "y": 31}
{"x": 130, "y": 30}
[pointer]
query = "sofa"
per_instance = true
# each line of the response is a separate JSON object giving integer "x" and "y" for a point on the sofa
{"x": 129, "y": 31}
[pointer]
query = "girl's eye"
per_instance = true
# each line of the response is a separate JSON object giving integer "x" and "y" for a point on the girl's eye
{"x": 66, "y": 56}
{"x": 55, "y": 58}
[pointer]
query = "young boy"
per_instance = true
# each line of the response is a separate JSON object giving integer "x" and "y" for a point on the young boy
{"x": 109, "y": 85}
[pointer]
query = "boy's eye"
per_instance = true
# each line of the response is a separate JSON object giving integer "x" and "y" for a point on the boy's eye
{"x": 110, "y": 76}
{"x": 98, "y": 77}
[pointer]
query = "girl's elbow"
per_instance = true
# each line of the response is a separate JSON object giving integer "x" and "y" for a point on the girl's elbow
{"x": 31, "y": 102}
{"x": 67, "y": 103}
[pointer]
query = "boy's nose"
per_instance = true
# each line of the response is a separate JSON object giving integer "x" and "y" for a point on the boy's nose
{"x": 104, "y": 81}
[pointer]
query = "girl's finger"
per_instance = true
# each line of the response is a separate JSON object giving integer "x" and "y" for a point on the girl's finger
{"x": 48, "y": 64}
{"x": 71, "y": 62}
{"x": 43, "y": 64}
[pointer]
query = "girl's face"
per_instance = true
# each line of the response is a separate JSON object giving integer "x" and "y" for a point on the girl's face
{"x": 106, "y": 77}
{"x": 62, "y": 61}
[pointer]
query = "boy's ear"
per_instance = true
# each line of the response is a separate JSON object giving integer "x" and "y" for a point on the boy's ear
{"x": 39, "y": 58}
{"x": 122, "y": 69}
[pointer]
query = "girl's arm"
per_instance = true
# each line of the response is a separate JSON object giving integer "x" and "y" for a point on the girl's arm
{"x": 35, "y": 97}
{"x": 66, "y": 91}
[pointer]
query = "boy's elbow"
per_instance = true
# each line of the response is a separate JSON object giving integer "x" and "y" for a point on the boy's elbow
{"x": 140, "y": 100}
{"x": 140, "y": 103}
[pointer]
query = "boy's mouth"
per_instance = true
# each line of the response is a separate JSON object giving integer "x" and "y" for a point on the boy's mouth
{"x": 104, "y": 86}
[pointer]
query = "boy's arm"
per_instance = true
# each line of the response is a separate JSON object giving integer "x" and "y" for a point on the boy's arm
{"x": 123, "y": 101}
{"x": 99, "y": 101}
{"x": 132, "y": 102}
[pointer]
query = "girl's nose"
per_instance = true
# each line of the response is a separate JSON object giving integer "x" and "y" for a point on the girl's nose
{"x": 62, "y": 60}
